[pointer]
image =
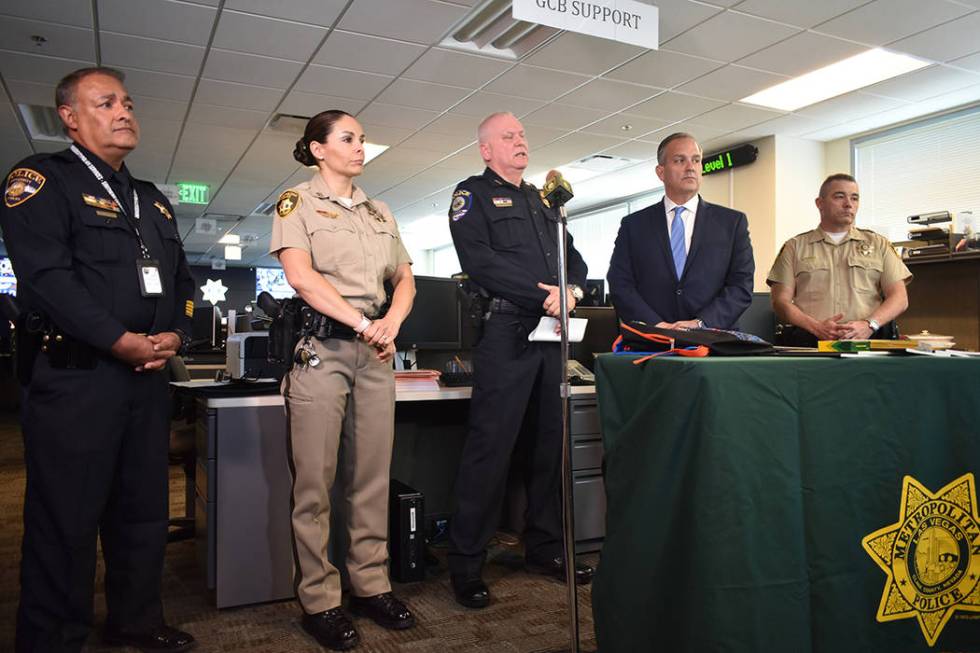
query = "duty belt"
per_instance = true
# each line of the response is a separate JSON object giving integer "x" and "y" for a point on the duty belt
{"x": 319, "y": 326}
{"x": 501, "y": 305}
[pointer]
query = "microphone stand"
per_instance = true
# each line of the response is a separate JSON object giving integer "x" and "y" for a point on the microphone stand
{"x": 567, "y": 483}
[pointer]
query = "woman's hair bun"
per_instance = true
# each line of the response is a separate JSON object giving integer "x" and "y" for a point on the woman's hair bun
{"x": 302, "y": 153}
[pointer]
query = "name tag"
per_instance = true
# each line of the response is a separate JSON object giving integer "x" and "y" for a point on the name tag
{"x": 502, "y": 202}
{"x": 151, "y": 284}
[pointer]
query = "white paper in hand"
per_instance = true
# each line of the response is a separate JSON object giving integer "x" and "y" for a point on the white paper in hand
{"x": 545, "y": 331}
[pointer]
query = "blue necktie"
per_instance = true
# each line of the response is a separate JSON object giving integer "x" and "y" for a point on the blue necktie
{"x": 677, "y": 241}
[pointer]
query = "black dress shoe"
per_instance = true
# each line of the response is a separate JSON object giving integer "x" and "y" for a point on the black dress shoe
{"x": 556, "y": 568}
{"x": 471, "y": 592}
{"x": 384, "y": 609}
{"x": 161, "y": 638}
{"x": 332, "y": 629}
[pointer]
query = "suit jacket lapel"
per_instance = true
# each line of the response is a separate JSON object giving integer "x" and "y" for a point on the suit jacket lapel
{"x": 659, "y": 226}
{"x": 700, "y": 228}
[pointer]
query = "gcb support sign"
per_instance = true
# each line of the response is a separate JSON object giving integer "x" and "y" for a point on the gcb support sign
{"x": 626, "y": 21}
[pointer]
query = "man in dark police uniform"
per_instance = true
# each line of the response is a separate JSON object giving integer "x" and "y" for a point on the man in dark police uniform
{"x": 105, "y": 295}
{"x": 506, "y": 238}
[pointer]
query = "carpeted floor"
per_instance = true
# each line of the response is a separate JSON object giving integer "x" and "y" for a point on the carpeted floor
{"x": 528, "y": 613}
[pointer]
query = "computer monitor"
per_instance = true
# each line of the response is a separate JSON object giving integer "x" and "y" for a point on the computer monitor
{"x": 434, "y": 322}
{"x": 206, "y": 328}
{"x": 602, "y": 330}
{"x": 273, "y": 281}
{"x": 595, "y": 293}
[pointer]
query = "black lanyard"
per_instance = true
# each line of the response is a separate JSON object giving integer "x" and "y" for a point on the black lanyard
{"x": 136, "y": 200}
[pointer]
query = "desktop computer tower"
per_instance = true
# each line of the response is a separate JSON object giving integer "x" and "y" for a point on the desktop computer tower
{"x": 406, "y": 532}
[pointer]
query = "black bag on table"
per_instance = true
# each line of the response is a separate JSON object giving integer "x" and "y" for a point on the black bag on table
{"x": 641, "y": 337}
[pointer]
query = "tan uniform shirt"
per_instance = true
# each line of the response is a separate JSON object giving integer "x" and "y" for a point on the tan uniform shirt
{"x": 830, "y": 278}
{"x": 356, "y": 249}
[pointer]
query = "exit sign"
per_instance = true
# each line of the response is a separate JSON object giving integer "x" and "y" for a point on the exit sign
{"x": 733, "y": 158}
{"x": 192, "y": 193}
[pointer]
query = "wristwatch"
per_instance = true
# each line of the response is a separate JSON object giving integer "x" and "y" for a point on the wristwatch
{"x": 577, "y": 292}
{"x": 873, "y": 323}
{"x": 185, "y": 341}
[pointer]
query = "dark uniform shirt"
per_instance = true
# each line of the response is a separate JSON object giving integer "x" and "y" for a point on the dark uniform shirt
{"x": 507, "y": 241}
{"x": 75, "y": 250}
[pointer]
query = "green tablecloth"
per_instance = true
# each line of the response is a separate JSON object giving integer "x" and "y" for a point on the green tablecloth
{"x": 739, "y": 491}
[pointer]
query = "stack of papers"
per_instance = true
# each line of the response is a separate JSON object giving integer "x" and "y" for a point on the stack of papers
{"x": 417, "y": 379}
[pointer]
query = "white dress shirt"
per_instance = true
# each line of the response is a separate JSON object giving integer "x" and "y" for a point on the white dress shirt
{"x": 687, "y": 217}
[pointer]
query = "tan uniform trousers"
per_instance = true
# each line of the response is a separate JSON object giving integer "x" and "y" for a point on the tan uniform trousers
{"x": 350, "y": 394}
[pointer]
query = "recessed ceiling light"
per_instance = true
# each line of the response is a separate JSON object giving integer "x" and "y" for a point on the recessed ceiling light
{"x": 233, "y": 253}
{"x": 373, "y": 150}
{"x": 230, "y": 239}
{"x": 855, "y": 72}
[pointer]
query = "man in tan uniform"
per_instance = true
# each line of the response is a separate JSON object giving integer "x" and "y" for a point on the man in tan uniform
{"x": 837, "y": 281}
{"x": 354, "y": 244}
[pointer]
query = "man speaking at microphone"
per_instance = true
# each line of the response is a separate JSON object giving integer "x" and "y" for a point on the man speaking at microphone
{"x": 506, "y": 237}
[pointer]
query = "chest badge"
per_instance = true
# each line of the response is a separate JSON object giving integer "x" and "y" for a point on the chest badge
{"x": 287, "y": 203}
{"x": 866, "y": 249}
{"x": 328, "y": 214}
{"x": 502, "y": 202}
{"x": 163, "y": 210}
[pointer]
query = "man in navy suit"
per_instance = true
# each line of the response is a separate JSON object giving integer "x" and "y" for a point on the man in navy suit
{"x": 682, "y": 263}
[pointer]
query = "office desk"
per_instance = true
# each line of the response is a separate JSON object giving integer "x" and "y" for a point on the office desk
{"x": 740, "y": 490}
{"x": 243, "y": 531}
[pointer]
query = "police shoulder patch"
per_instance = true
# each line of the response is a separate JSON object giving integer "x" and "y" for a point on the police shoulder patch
{"x": 22, "y": 185}
{"x": 462, "y": 201}
{"x": 288, "y": 202}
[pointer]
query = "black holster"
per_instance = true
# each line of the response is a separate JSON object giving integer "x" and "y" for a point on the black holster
{"x": 284, "y": 332}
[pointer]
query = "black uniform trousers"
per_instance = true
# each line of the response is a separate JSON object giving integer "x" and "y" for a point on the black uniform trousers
{"x": 96, "y": 447}
{"x": 515, "y": 401}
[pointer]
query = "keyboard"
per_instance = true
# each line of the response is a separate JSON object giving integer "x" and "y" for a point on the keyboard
{"x": 456, "y": 379}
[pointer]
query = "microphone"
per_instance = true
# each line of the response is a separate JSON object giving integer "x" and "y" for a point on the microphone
{"x": 557, "y": 190}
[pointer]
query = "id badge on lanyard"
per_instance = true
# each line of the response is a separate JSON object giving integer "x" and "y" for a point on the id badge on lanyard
{"x": 147, "y": 269}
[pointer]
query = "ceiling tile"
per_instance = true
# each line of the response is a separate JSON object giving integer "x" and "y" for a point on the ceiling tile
{"x": 158, "y": 137}
{"x": 433, "y": 141}
{"x": 884, "y": 21}
{"x": 150, "y": 54}
{"x": 563, "y": 116}
{"x": 209, "y": 114}
{"x": 298, "y": 103}
{"x": 635, "y": 150}
{"x": 269, "y": 37}
{"x": 250, "y": 69}
{"x": 453, "y": 125}
{"x": 455, "y": 68}
{"x": 419, "y": 21}
{"x": 731, "y": 83}
{"x": 63, "y": 12}
{"x": 608, "y": 95}
{"x": 342, "y": 83}
{"x": 733, "y": 117}
{"x": 159, "y": 108}
{"x": 148, "y": 165}
{"x": 313, "y": 12}
{"x": 801, "y": 14}
{"x": 730, "y": 36}
{"x": 368, "y": 53}
{"x": 788, "y": 125}
{"x": 702, "y": 133}
{"x": 971, "y": 62}
{"x": 944, "y": 42}
{"x": 160, "y": 19}
{"x": 926, "y": 83}
{"x": 537, "y": 83}
{"x": 161, "y": 85}
{"x": 848, "y": 107}
{"x": 802, "y": 53}
{"x": 481, "y": 104}
{"x": 392, "y": 115}
{"x": 385, "y": 134}
{"x": 13, "y": 150}
{"x": 232, "y": 94}
{"x": 674, "y": 106}
{"x": 663, "y": 69}
{"x": 678, "y": 16}
{"x": 580, "y": 53}
{"x": 62, "y": 40}
{"x": 571, "y": 148}
{"x": 422, "y": 95}
{"x": 41, "y": 95}
{"x": 38, "y": 69}
{"x": 613, "y": 126}
{"x": 9, "y": 124}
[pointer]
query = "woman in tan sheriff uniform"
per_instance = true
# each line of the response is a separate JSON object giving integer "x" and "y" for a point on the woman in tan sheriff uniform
{"x": 337, "y": 248}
